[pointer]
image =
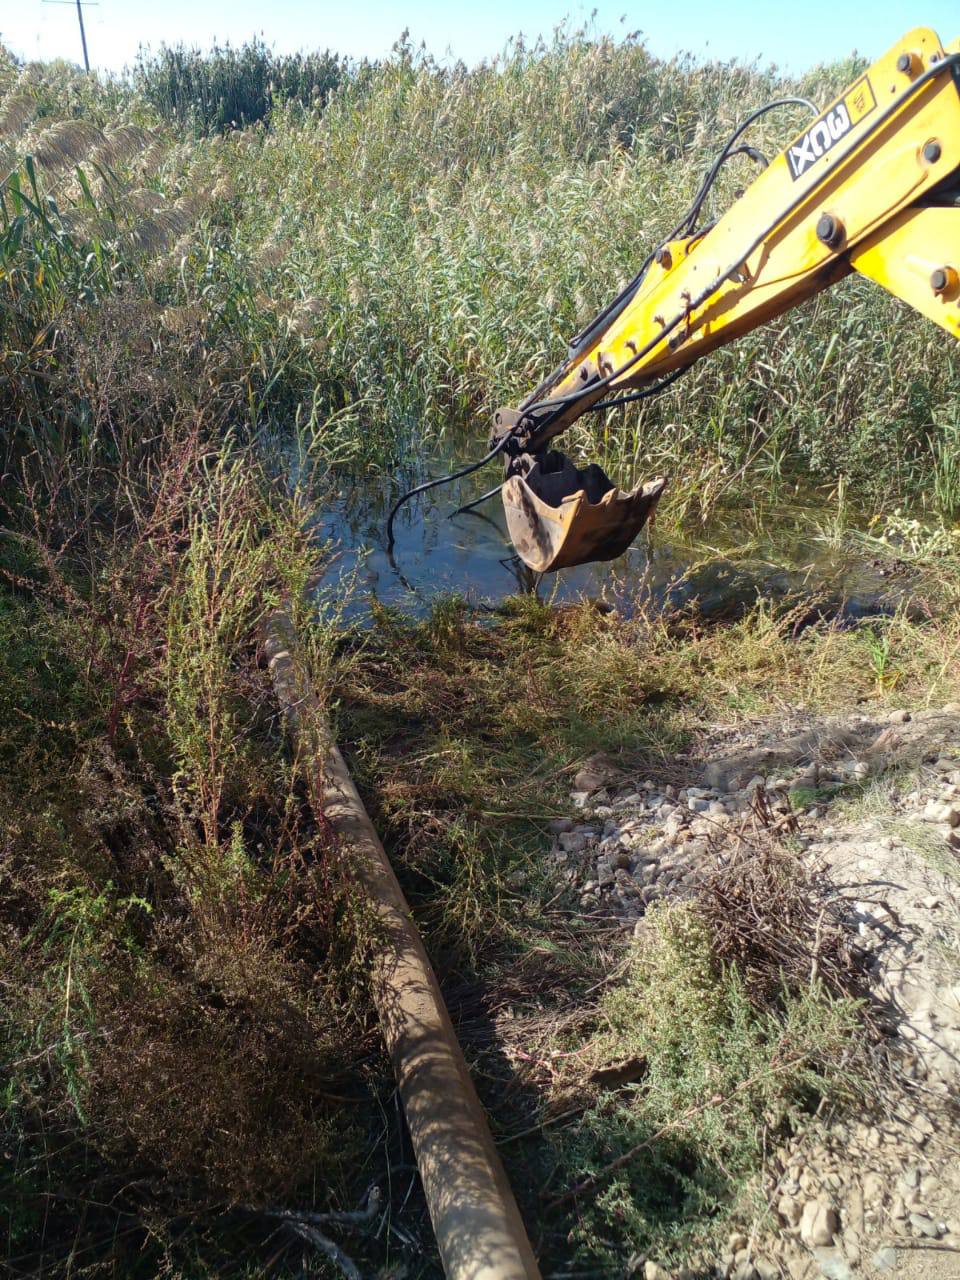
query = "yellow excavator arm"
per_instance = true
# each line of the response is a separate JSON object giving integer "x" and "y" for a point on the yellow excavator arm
{"x": 872, "y": 185}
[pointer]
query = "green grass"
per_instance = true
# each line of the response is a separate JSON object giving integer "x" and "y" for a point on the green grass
{"x": 658, "y": 1167}
{"x": 180, "y": 1018}
{"x": 358, "y": 267}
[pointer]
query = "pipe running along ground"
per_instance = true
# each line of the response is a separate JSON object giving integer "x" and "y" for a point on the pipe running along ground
{"x": 479, "y": 1230}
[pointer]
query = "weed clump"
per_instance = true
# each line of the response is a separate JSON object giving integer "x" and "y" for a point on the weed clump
{"x": 777, "y": 926}
{"x": 662, "y": 1163}
{"x": 463, "y": 733}
{"x": 178, "y": 1033}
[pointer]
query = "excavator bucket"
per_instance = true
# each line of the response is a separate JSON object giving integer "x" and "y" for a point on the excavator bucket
{"x": 558, "y": 516}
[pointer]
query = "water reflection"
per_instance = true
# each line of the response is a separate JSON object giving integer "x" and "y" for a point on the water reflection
{"x": 723, "y": 569}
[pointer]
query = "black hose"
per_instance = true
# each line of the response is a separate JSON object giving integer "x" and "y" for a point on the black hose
{"x": 454, "y": 475}
{"x": 619, "y": 303}
{"x": 484, "y": 497}
{"x": 951, "y": 62}
{"x": 640, "y": 395}
{"x": 646, "y": 394}
{"x": 689, "y": 220}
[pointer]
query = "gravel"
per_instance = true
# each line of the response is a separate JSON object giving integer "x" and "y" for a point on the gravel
{"x": 838, "y": 1195}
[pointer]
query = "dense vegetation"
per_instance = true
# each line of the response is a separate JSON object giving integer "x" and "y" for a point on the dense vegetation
{"x": 197, "y": 322}
{"x": 229, "y": 88}
{"x": 415, "y": 253}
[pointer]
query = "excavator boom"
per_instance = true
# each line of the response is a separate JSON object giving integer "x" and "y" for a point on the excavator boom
{"x": 872, "y": 185}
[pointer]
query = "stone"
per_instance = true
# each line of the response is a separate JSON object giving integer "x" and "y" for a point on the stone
{"x": 885, "y": 1259}
{"x": 899, "y": 717}
{"x": 921, "y": 1124}
{"x": 934, "y": 811}
{"x": 832, "y": 1264}
{"x": 851, "y": 1248}
{"x": 799, "y": 1266}
{"x": 790, "y": 1210}
{"x": 558, "y": 825}
{"x": 853, "y": 1213}
{"x": 572, "y": 841}
{"x": 818, "y": 1223}
{"x": 653, "y": 1271}
{"x": 873, "y": 1184}
{"x": 925, "y": 1226}
{"x": 766, "y": 1268}
{"x": 595, "y": 773}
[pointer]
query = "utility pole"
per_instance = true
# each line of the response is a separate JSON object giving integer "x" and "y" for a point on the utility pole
{"x": 83, "y": 37}
{"x": 83, "y": 34}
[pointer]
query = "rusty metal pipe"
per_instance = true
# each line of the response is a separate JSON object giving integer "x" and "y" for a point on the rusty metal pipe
{"x": 479, "y": 1231}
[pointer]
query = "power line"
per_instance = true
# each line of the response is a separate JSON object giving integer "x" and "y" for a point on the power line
{"x": 83, "y": 35}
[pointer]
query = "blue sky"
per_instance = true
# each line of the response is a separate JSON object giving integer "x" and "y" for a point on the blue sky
{"x": 794, "y": 37}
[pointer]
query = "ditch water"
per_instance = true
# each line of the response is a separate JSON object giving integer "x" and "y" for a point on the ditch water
{"x": 719, "y": 570}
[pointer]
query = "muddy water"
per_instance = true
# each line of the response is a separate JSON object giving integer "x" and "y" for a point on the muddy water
{"x": 719, "y": 570}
